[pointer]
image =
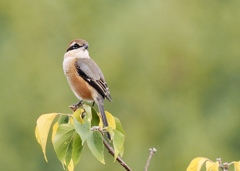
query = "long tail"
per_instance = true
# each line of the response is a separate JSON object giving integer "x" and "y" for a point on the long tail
{"x": 99, "y": 102}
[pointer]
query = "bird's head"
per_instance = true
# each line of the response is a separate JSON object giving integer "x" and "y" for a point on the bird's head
{"x": 78, "y": 48}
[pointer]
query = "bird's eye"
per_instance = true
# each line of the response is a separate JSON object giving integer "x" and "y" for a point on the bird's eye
{"x": 75, "y": 46}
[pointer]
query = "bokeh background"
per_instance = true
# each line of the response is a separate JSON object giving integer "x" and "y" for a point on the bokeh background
{"x": 173, "y": 68}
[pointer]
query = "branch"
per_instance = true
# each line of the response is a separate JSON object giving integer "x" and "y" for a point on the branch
{"x": 151, "y": 152}
{"x": 112, "y": 152}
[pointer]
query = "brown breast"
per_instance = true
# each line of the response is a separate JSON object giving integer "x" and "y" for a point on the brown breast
{"x": 78, "y": 85}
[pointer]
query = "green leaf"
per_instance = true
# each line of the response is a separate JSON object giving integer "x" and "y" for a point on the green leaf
{"x": 121, "y": 151}
{"x": 63, "y": 119}
{"x": 95, "y": 144}
{"x": 118, "y": 141}
{"x": 68, "y": 155}
{"x": 119, "y": 125}
{"x": 42, "y": 129}
{"x": 95, "y": 118}
{"x": 83, "y": 129}
{"x": 62, "y": 139}
{"x": 77, "y": 149}
{"x": 67, "y": 144}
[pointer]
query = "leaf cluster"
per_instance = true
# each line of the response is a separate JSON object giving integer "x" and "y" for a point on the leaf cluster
{"x": 71, "y": 132}
{"x": 197, "y": 163}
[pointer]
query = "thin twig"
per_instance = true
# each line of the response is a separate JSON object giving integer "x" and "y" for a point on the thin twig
{"x": 119, "y": 159}
{"x": 151, "y": 152}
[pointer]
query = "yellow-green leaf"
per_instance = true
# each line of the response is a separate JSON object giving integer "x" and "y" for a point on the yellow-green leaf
{"x": 42, "y": 129}
{"x": 121, "y": 151}
{"x": 110, "y": 120}
{"x": 88, "y": 110}
{"x": 118, "y": 141}
{"x": 236, "y": 165}
{"x": 78, "y": 115}
{"x": 54, "y": 130}
{"x": 70, "y": 166}
{"x": 196, "y": 164}
{"x": 212, "y": 166}
{"x": 95, "y": 144}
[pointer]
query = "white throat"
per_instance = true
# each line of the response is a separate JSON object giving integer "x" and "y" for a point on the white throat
{"x": 82, "y": 54}
{"x": 79, "y": 53}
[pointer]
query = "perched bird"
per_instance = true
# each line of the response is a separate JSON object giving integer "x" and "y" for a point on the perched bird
{"x": 85, "y": 77}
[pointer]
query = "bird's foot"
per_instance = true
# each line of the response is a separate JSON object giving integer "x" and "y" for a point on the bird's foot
{"x": 74, "y": 107}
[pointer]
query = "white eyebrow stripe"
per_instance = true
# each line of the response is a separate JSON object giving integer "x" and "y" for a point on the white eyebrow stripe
{"x": 72, "y": 43}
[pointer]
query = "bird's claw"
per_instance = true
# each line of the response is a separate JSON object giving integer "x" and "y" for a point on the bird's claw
{"x": 74, "y": 107}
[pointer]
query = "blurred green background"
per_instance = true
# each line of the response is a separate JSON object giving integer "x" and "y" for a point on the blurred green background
{"x": 173, "y": 68}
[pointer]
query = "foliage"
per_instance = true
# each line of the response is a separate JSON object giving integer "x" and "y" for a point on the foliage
{"x": 197, "y": 163}
{"x": 72, "y": 131}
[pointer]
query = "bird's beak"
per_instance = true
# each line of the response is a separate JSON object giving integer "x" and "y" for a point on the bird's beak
{"x": 85, "y": 46}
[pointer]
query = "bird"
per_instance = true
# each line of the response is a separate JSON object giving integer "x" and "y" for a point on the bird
{"x": 85, "y": 78}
